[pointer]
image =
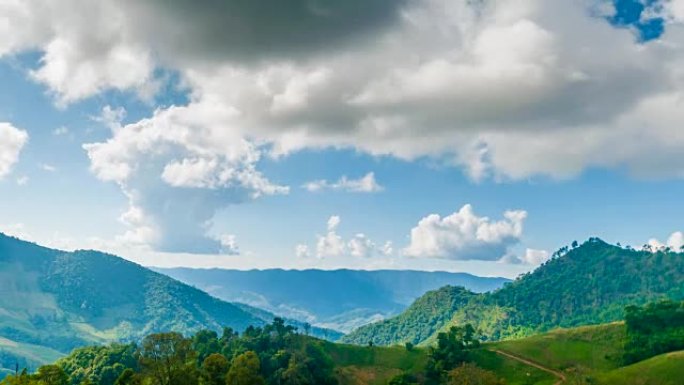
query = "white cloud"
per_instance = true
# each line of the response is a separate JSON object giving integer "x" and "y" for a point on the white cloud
{"x": 504, "y": 89}
{"x": 472, "y": 81}
{"x": 229, "y": 245}
{"x": 465, "y": 236}
{"x": 330, "y": 244}
{"x": 361, "y": 247}
{"x": 177, "y": 174}
{"x": 365, "y": 184}
{"x": 534, "y": 257}
{"x": 12, "y": 141}
{"x": 387, "y": 249}
{"x": 675, "y": 242}
{"x": 302, "y": 251}
{"x": 17, "y": 230}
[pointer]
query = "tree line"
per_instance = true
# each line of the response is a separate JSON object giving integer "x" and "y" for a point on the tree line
{"x": 275, "y": 354}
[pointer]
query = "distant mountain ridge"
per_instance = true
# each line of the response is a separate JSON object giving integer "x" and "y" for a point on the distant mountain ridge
{"x": 588, "y": 284}
{"x": 337, "y": 299}
{"x": 52, "y": 301}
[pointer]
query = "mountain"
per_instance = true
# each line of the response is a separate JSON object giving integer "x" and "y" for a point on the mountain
{"x": 337, "y": 299}
{"x": 52, "y": 301}
{"x": 591, "y": 283}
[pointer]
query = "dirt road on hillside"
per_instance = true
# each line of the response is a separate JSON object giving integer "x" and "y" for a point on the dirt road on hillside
{"x": 561, "y": 377}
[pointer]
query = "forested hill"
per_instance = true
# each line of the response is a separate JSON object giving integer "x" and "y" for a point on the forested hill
{"x": 52, "y": 301}
{"x": 587, "y": 284}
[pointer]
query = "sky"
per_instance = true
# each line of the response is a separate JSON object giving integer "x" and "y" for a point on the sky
{"x": 475, "y": 136}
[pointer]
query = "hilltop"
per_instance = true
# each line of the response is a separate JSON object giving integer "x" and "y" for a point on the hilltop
{"x": 587, "y": 284}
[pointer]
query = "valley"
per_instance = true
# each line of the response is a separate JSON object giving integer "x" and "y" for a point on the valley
{"x": 586, "y": 326}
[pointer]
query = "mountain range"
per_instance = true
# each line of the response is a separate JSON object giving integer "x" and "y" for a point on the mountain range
{"x": 52, "y": 301}
{"x": 336, "y": 299}
{"x": 590, "y": 283}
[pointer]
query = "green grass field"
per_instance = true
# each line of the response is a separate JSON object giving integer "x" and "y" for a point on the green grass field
{"x": 513, "y": 372}
{"x": 592, "y": 355}
{"x": 357, "y": 365}
{"x": 360, "y": 365}
{"x": 587, "y": 349}
{"x": 665, "y": 369}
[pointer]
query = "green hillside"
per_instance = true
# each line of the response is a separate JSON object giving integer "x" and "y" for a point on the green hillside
{"x": 588, "y": 284}
{"x": 601, "y": 354}
{"x": 588, "y": 355}
{"x": 52, "y": 301}
{"x": 420, "y": 321}
{"x": 586, "y": 348}
{"x": 665, "y": 369}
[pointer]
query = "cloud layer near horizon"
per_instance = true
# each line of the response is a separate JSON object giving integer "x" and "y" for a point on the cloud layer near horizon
{"x": 504, "y": 89}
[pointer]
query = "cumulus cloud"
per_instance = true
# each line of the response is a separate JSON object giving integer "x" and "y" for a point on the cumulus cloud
{"x": 503, "y": 89}
{"x": 365, "y": 184}
{"x": 330, "y": 244}
{"x": 675, "y": 242}
{"x": 473, "y": 81}
{"x": 387, "y": 249}
{"x": 133, "y": 38}
{"x": 12, "y": 141}
{"x": 229, "y": 245}
{"x": 302, "y": 251}
{"x": 465, "y": 236}
{"x": 360, "y": 246}
{"x": 532, "y": 257}
{"x": 176, "y": 181}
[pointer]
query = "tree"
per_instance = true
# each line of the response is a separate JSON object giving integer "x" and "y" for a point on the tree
{"x": 296, "y": 373}
{"x": 168, "y": 359}
{"x": 452, "y": 350}
{"x": 245, "y": 370}
{"x": 205, "y": 343}
{"x": 409, "y": 346}
{"x": 52, "y": 375}
{"x": 404, "y": 379}
{"x": 470, "y": 374}
{"x": 214, "y": 370}
{"x": 128, "y": 377}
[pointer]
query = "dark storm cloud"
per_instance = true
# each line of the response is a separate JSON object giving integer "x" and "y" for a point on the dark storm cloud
{"x": 260, "y": 29}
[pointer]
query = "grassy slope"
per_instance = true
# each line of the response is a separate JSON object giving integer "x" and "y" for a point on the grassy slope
{"x": 593, "y": 352}
{"x": 587, "y": 348}
{"x": 513, "y": 372}
{"x": 665, "y": 369}
{"x": 358, "y": 365}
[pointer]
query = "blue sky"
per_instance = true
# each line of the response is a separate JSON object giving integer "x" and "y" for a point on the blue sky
{"x": 518, "y": 133}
